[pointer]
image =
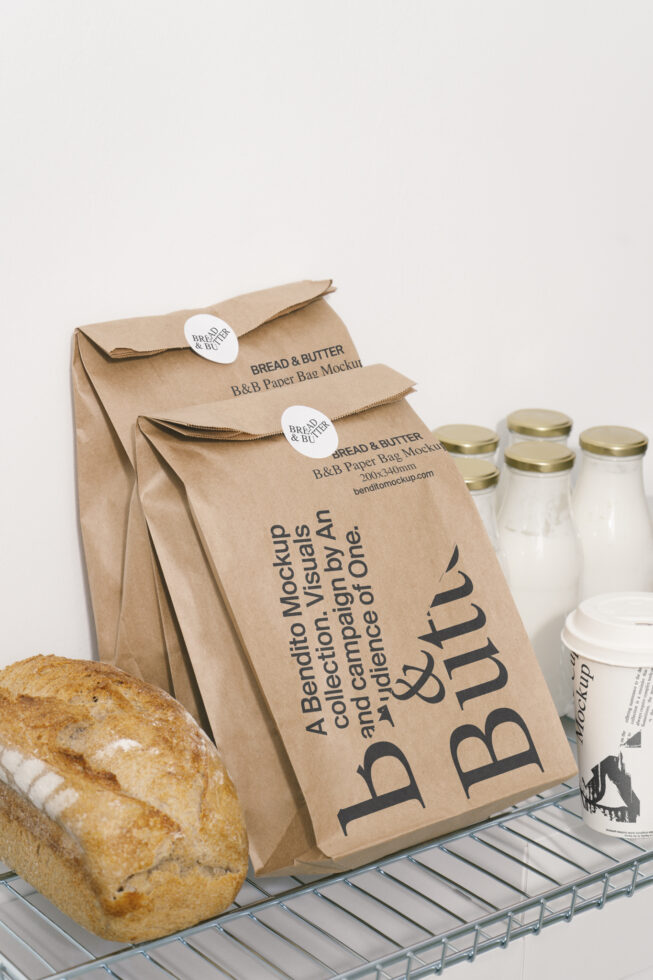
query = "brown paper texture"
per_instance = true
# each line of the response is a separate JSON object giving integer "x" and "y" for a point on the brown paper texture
{"x": 364, "y": 670}
{"x": 141, "y": 366}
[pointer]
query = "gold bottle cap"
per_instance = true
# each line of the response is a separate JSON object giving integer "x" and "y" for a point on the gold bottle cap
{"x": 478, "y": 474}
{"x": 468, "y": 440}
{"x": 539, "y": 457}
{"x": 539, "y": 423}
{"x": 613, "y": 440}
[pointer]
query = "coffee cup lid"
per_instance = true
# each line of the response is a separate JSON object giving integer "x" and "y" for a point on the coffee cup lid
{"x": 614, "y": 628}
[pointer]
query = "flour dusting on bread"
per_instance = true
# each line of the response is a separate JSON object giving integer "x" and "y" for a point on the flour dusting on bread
{"x": 34, "y": 780}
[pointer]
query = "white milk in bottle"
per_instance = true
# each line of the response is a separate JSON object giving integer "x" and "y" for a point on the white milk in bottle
{"x": 481, "y": 478}
{"x": 611, "y": 512}
{"x": 542, "y": 552}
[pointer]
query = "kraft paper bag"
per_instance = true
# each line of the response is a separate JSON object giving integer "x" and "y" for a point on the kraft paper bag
{"x": 365, "y": 672}
{"x": 125, "y": 368}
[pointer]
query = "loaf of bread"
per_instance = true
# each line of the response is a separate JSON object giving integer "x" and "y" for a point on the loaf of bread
{"x": 113, "y": 803}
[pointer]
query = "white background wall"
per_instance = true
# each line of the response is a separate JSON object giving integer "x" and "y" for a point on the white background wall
{"x": 476, "y": 176}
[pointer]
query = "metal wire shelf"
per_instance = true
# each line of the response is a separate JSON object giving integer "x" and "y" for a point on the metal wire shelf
{"x": 409, "y": 916}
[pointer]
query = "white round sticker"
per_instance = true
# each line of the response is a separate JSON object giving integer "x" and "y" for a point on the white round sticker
{"x": 212, "y": 338}
{"x": 309, "y": 431}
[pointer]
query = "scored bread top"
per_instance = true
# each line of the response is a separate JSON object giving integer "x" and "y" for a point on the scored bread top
{"x": 123, "y": 770}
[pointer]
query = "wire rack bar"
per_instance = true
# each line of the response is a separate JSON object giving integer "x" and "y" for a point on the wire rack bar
{"x": 545, "y": 917}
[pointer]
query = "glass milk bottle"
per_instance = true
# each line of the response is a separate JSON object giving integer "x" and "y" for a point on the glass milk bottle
{"x": 481, "y": 478}
{"x": 538, "y": 423}
{"x": 611, "y": 512}
{"x": 542, "y": 552}
{"x": 468, "y": 440}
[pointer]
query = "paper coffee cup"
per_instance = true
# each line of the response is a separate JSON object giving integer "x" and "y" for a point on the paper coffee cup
{"x": 610, "y": 640}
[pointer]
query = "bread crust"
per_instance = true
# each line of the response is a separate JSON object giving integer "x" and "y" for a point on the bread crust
{"x": 114, "y": 804}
